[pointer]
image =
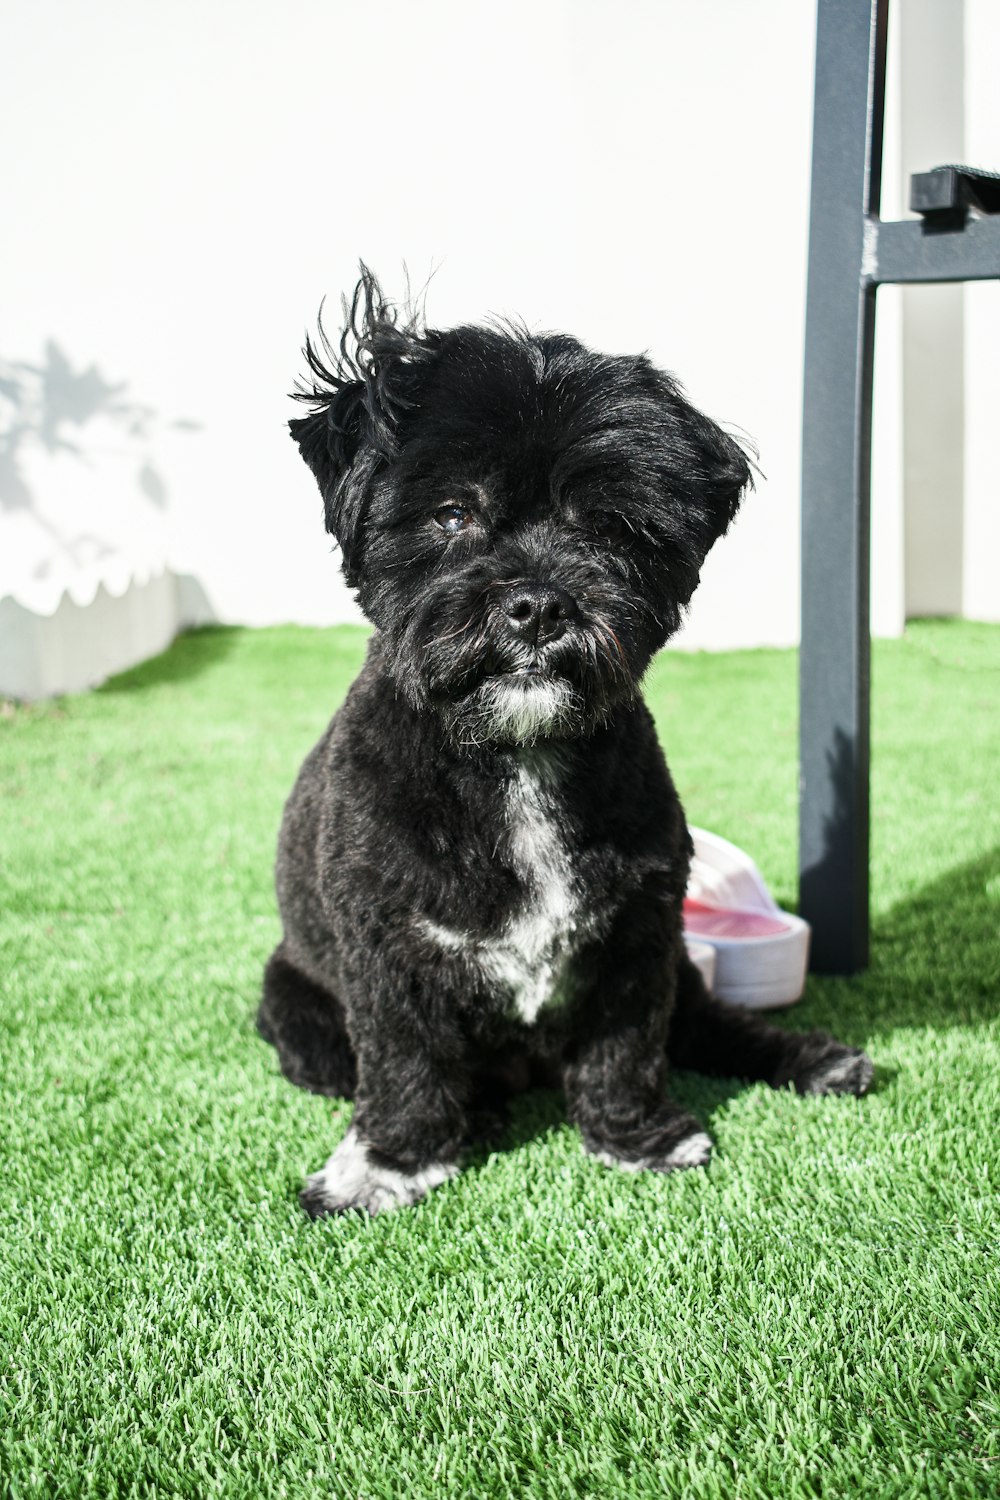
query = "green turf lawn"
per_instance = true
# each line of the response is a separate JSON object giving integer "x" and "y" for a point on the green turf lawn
{"x": 815, "y": 1314}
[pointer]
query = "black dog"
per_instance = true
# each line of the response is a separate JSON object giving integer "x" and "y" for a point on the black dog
{"x": 482, "y": 864}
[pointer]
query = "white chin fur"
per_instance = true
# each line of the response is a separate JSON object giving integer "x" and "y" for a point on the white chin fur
{"x": 522, "y": 710}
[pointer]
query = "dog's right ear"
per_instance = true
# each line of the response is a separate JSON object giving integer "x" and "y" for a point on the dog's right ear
{"x": 358, "y": 399}
{"x": 329, "y": 440}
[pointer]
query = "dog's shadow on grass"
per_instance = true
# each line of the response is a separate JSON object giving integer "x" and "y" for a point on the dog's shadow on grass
{"x": 539, "y": 1112}
{"x": 935, "y": 962}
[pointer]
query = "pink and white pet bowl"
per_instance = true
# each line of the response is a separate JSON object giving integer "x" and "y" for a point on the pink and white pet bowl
{"x": 749, "y": 951}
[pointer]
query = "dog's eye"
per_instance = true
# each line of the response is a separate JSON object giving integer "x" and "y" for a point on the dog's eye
{"x": 611, "y": 525}
{"x": 453, "y": 518}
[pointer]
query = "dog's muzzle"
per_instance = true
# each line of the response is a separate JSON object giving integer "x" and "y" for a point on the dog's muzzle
{"x": 521, "y": 659}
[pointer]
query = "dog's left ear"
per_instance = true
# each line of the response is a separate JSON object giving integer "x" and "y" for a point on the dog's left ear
{"x": 722, "y": 473}
{"x": 705, "y": 471}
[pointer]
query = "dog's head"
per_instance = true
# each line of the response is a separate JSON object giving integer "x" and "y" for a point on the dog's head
{"x": 524, "y": 520}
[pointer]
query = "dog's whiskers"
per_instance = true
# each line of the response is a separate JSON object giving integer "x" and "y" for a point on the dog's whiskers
{"x": 451, "y": 635}
{"x": 609, "y": 632}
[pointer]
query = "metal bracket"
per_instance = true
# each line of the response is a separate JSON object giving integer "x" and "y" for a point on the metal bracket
{"x": 950, "y": 193}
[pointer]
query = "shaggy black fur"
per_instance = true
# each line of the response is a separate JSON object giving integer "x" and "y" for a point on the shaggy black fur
{"x": 482, "y": 864}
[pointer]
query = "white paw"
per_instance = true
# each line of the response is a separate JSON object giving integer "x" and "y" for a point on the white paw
{"x": 691, "y": 1151}
{"x": 351, "y": 1179}
{"x": 844, "y": 1073}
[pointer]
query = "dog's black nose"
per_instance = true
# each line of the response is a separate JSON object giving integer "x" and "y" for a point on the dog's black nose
{"x": 538, "y": 612}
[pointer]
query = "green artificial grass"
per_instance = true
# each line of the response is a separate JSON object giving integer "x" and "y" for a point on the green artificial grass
{"x": 814, "y": 1314}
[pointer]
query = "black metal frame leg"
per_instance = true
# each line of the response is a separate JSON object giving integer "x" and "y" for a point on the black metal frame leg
{"x": 851, "y": 253}
{"x": 836, "y": 443}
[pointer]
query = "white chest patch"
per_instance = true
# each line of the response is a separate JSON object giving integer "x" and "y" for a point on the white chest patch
{"x": 531, "y": 958}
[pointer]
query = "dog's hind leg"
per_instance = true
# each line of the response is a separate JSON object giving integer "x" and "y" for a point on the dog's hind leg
{"x": 305, "y": 1023}
{"x": 710, "y": 1036}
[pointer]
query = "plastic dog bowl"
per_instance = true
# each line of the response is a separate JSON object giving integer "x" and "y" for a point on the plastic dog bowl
{"x": 761, "y": 952}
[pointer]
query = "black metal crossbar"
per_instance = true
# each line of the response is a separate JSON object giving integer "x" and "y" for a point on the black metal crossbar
{"x": 851, "y": 253}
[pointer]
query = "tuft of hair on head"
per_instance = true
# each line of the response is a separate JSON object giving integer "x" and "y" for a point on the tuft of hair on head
{"x": 377, "y": 338}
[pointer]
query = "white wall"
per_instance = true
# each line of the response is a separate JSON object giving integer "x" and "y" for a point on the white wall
{"x": 935, "y": 481}
{"x": 981, "y": 538}
{"x": 188, "y": 181}
{"x": 941, "y": 351}
{"x": 888, "y": 591}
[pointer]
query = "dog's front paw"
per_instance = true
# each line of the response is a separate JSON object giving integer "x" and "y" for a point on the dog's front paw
{"x": 826, "y": 1066}
{"x": 351, "y": 1180}
{"x": 677, "y": 1143}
